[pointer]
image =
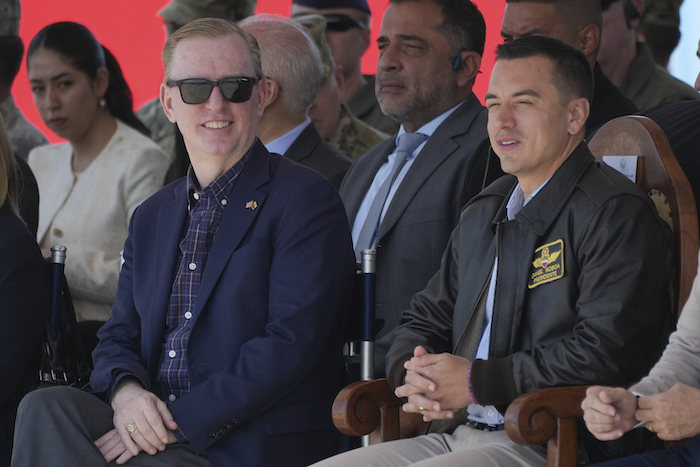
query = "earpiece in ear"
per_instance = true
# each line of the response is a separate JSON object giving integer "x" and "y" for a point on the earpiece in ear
{"x": 457, "y": 62}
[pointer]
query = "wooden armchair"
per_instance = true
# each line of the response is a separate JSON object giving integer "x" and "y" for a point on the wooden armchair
{"x": 548, "y": 416}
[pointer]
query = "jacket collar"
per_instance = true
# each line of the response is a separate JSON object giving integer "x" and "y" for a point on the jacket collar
{"x": 437, "y": 148}
{"x": 304, "y": 144}
{"x": 544, "y": 208}
{"x": 362, "y": 174}
{"x": 235, "y": 222}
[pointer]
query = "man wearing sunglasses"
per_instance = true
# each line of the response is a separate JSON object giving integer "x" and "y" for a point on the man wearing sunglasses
{"x": 348, "y": 36}
{"x": 224, "y": 345}
{"x": 176, "y": 14}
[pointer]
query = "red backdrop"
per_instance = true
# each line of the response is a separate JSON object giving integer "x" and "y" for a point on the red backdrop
{"x": 134, "y": 32}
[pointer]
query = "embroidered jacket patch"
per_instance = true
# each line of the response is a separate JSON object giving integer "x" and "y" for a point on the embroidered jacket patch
{"x": 548, "y": 265}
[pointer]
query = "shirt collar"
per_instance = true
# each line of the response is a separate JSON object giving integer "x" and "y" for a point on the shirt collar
{"x": 281, "y": 145}
{"x": 430, "y": 127}
{"x": 516, "y": 201}
{"x": 219, "y": 188}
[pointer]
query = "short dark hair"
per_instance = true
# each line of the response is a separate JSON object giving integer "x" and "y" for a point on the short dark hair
{"x": 11, "y": 53}
{"x": 463, "y": 24}
{"x": 575, "y": 13}
{"x": 572, "y": 74}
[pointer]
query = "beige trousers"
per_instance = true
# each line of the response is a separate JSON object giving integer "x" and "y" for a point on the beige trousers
{"x": 466, "y": 447}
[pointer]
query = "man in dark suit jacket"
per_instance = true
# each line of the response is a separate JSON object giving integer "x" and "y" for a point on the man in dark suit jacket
{"x": 224, "y": 345}
{"x": 425, "y": 82}
{"x": 293, "y": 71}
{"x": 679, "y": 121}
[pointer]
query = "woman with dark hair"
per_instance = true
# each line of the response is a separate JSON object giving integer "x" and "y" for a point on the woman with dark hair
{"x": 24, "y": 300}
{"x": 90, "y": 185}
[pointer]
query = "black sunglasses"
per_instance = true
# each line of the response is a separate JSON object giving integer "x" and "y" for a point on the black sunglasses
{"x": 197, "y": 90}
{"x": 341, "y": 23}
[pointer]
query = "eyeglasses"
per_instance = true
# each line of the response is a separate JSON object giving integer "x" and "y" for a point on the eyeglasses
{"x": 197, "y": 90}
{"x": 341, "y": 23}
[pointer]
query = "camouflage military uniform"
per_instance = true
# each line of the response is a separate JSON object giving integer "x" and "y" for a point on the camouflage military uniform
{"x": 660, "y": 27}
{"x": 353, "y": 137}
{"x": 648, "y": 85}
{"x": 162, "y": 131}
{"x": 23, "y": 136}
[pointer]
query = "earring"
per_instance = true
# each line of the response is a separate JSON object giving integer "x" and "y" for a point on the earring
{"x": 103, "y": 103}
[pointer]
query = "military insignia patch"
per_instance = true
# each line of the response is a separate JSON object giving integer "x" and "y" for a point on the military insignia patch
{"x": 548, "y": 265}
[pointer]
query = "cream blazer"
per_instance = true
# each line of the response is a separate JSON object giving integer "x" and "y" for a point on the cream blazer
{"x": 89, "y": 212}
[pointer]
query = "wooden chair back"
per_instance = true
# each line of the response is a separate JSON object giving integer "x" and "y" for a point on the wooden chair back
{"x": 640, "y": 136}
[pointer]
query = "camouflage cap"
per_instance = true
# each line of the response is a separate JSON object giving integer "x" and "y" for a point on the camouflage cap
{"x": 663, "y": 12}
{"x": 182, "y": 12}
{"x": 315, "y": 25}
{"x": 10, "y": 13}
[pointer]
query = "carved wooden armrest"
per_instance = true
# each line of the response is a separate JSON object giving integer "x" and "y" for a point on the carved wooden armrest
{"x": 368, "y": 407}
{"x": 548, "y": 416}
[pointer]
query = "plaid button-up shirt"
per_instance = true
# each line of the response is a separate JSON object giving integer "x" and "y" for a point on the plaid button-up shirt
{"x": 205, "y": 208}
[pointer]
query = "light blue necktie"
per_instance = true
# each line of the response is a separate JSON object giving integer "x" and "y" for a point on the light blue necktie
{"x": 408, "y": 142}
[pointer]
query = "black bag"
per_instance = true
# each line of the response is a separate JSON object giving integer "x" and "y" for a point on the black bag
{"x": 65, "y": 361}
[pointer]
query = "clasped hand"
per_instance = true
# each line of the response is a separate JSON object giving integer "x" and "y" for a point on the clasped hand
{"x": 436, "y": 385}
{"x": 149, "y": 415}
{"x": 672, "y": 415}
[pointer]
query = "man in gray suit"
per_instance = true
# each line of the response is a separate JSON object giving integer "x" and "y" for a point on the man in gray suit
{"x": 293, "y": 70}
{"x": 430, "y": 54}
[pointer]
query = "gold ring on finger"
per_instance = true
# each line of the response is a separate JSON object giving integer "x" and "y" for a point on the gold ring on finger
{"x": 131, "y": 428}
{"x": 650, "y": 427}
{"x": 421, "y": 409}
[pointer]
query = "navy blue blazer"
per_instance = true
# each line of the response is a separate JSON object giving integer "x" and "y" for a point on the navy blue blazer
{"x": 265, "y": 349}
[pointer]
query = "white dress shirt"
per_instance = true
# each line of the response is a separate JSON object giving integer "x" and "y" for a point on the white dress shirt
{"x": 489, "y": 414}
{"x": 282, "y": 144}
{"x": 385, "y": 170}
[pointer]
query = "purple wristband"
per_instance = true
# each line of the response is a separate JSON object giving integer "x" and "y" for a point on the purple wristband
{"x": 469, "y": 384}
